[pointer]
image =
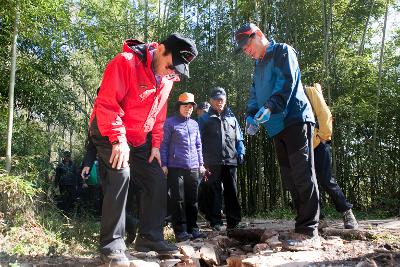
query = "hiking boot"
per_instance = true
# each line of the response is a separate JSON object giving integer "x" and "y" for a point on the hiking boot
{"x": 349, "y": 220}
{"x": 300, "y": 242}
{"x": 322, "y": 224}
{"x": 197, "y": 234}
{"x": 116, "y": 258}
{"x": 182, "y": 236}
{"x": 143, "y": 244}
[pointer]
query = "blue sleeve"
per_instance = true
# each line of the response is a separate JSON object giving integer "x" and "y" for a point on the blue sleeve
{"x": 168, "y": 129}
{"x": 199, "y": 147}
{"x": 202, "y": 120}
{"x": 252, "y": 105}
{"x": 287, "y": 75}
{"x": 240, "y": 149}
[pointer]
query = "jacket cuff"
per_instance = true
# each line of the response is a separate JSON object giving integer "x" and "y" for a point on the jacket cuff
{"x": 117, "y": 138}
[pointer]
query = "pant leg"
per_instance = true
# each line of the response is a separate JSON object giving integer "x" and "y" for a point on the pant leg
{"x": 177, "y": 198}
{"x": 152, "y": 186}
{"x": 214, "y": 193}
{"x": 323, "y": 171}
{"x": 132, "y": 209}
{"x": 115, "y": 184}
{"x": 232, "y": 206}
{"x": 191, "y": 182}
{"x": 296, "y": 142}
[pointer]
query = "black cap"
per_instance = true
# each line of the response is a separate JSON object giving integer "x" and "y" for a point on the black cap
{"x": 183, "y": 52}
{"x": 66, "y": 154}
{"x": 203, "y": 106}
{"x": 243, "y": 34}
{"x": 218, "y": 93}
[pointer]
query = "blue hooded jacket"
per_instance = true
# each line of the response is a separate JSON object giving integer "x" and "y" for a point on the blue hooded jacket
{"x": 277, "y": 86}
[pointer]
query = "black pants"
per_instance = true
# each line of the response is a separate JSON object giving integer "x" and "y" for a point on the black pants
{"x": 227, "y": 175}
{"x": 151, "y": 184}
{"x": 323, "y": 172}
{"x": 69, "y": 196}
{"x": 296, "y": 161}
{"x": 183, "y": 185}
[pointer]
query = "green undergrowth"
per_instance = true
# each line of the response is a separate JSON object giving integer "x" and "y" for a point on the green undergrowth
{"x": 31, "y": 224}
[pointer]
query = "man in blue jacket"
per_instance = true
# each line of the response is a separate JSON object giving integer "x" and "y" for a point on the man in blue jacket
{"x": 277, "y": 100}
{"x": 223, "y": 150}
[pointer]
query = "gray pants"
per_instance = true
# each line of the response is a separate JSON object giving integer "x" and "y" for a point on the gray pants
{"x": 152, "y": 187}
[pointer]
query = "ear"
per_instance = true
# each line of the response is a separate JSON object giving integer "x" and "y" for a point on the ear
{"x": 161, "y": 48}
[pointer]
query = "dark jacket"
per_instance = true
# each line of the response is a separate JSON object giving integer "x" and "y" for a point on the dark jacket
{"x": 181, "y": 147}
{"x": 66, "y": 174}
{"x": 221, "y": 137}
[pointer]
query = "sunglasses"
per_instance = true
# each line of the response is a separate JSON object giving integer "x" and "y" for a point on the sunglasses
{"x": 240, "y": 36}
{"x": 187, "y": 55}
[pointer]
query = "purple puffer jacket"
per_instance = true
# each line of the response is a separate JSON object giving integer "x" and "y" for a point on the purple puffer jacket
{"x": 181, "y": 147}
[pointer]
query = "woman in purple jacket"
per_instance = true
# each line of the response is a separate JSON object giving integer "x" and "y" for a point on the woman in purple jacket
{"x": 182, "y": 162}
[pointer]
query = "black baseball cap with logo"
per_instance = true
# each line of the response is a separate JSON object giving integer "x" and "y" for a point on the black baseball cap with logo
{"x": 183, "y": 52}
{"x": 243, "y": 35}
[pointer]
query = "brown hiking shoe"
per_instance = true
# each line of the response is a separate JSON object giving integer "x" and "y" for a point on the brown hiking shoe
{"x": 349, "y": 220}
{"x": 300, "y": 242}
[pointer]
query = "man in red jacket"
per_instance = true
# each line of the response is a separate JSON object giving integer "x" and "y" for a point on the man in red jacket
{"x": 126, "y": 127}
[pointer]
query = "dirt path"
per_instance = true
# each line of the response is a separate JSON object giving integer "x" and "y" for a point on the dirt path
{"x": 379, "y": 245}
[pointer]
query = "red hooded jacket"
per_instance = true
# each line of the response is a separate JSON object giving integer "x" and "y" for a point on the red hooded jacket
{"x": 130, "y": 104}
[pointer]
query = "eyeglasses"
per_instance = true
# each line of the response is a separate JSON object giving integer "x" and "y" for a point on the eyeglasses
{"x": 187, "y": 55}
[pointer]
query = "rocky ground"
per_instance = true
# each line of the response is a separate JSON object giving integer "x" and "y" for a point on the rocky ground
{"x": 376, "y": 243}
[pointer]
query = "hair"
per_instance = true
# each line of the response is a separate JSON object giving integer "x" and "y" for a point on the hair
{"x": 168, "y": 49}
{"x": 178, "y": 105}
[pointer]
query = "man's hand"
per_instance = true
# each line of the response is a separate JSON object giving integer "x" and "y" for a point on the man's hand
{"x": 240, "y": 159}
{"x": 85, "y": 173}
{"x": 250, "y": 121}
{"x": 155, "y": 154}
{"x": 165, "y": 170}
{"x": 119, "y": 155}
{"x": 202, "y": 170}
{"x": 262, "y": 115}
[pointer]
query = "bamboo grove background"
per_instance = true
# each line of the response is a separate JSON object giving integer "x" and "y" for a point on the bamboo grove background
{"x": 64, "y": 45}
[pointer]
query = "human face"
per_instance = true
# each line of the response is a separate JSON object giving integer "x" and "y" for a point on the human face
{"x": 162, "y": 62}
{"x": 255, "y": 47}
{"x": 218, "y": 104}
{"x": 200, "y": 112}
{"x": 186, "y": 110}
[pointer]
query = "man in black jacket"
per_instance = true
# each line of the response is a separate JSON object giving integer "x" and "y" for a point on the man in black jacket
{"x": 223, "y": 150}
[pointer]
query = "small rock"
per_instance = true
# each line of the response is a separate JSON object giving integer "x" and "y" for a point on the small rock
{"x": 274, "y": 243}
{"x": 140, "y": 263}
{"x": 187, "y": 250}
{"x": 267, "y": 235}
{"x": 247, "y": 248}
{"x": 234, "y": 261}
{"x": 260, "y": 247}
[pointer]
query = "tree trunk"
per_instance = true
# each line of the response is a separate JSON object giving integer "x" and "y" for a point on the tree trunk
{"x": 11, "y": 90}
{"x": 375, "y": 178}
{"x": 361, "y": 49}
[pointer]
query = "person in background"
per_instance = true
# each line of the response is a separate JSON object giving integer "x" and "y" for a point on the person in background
{"x": 68, "y": 181}
{"x": 277, "y": 101}
{"x": 202, "y": 108}
{"x": 223, "y": 150}
{"x": 322, "y": 157}
{"x": 182, "y": 162}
